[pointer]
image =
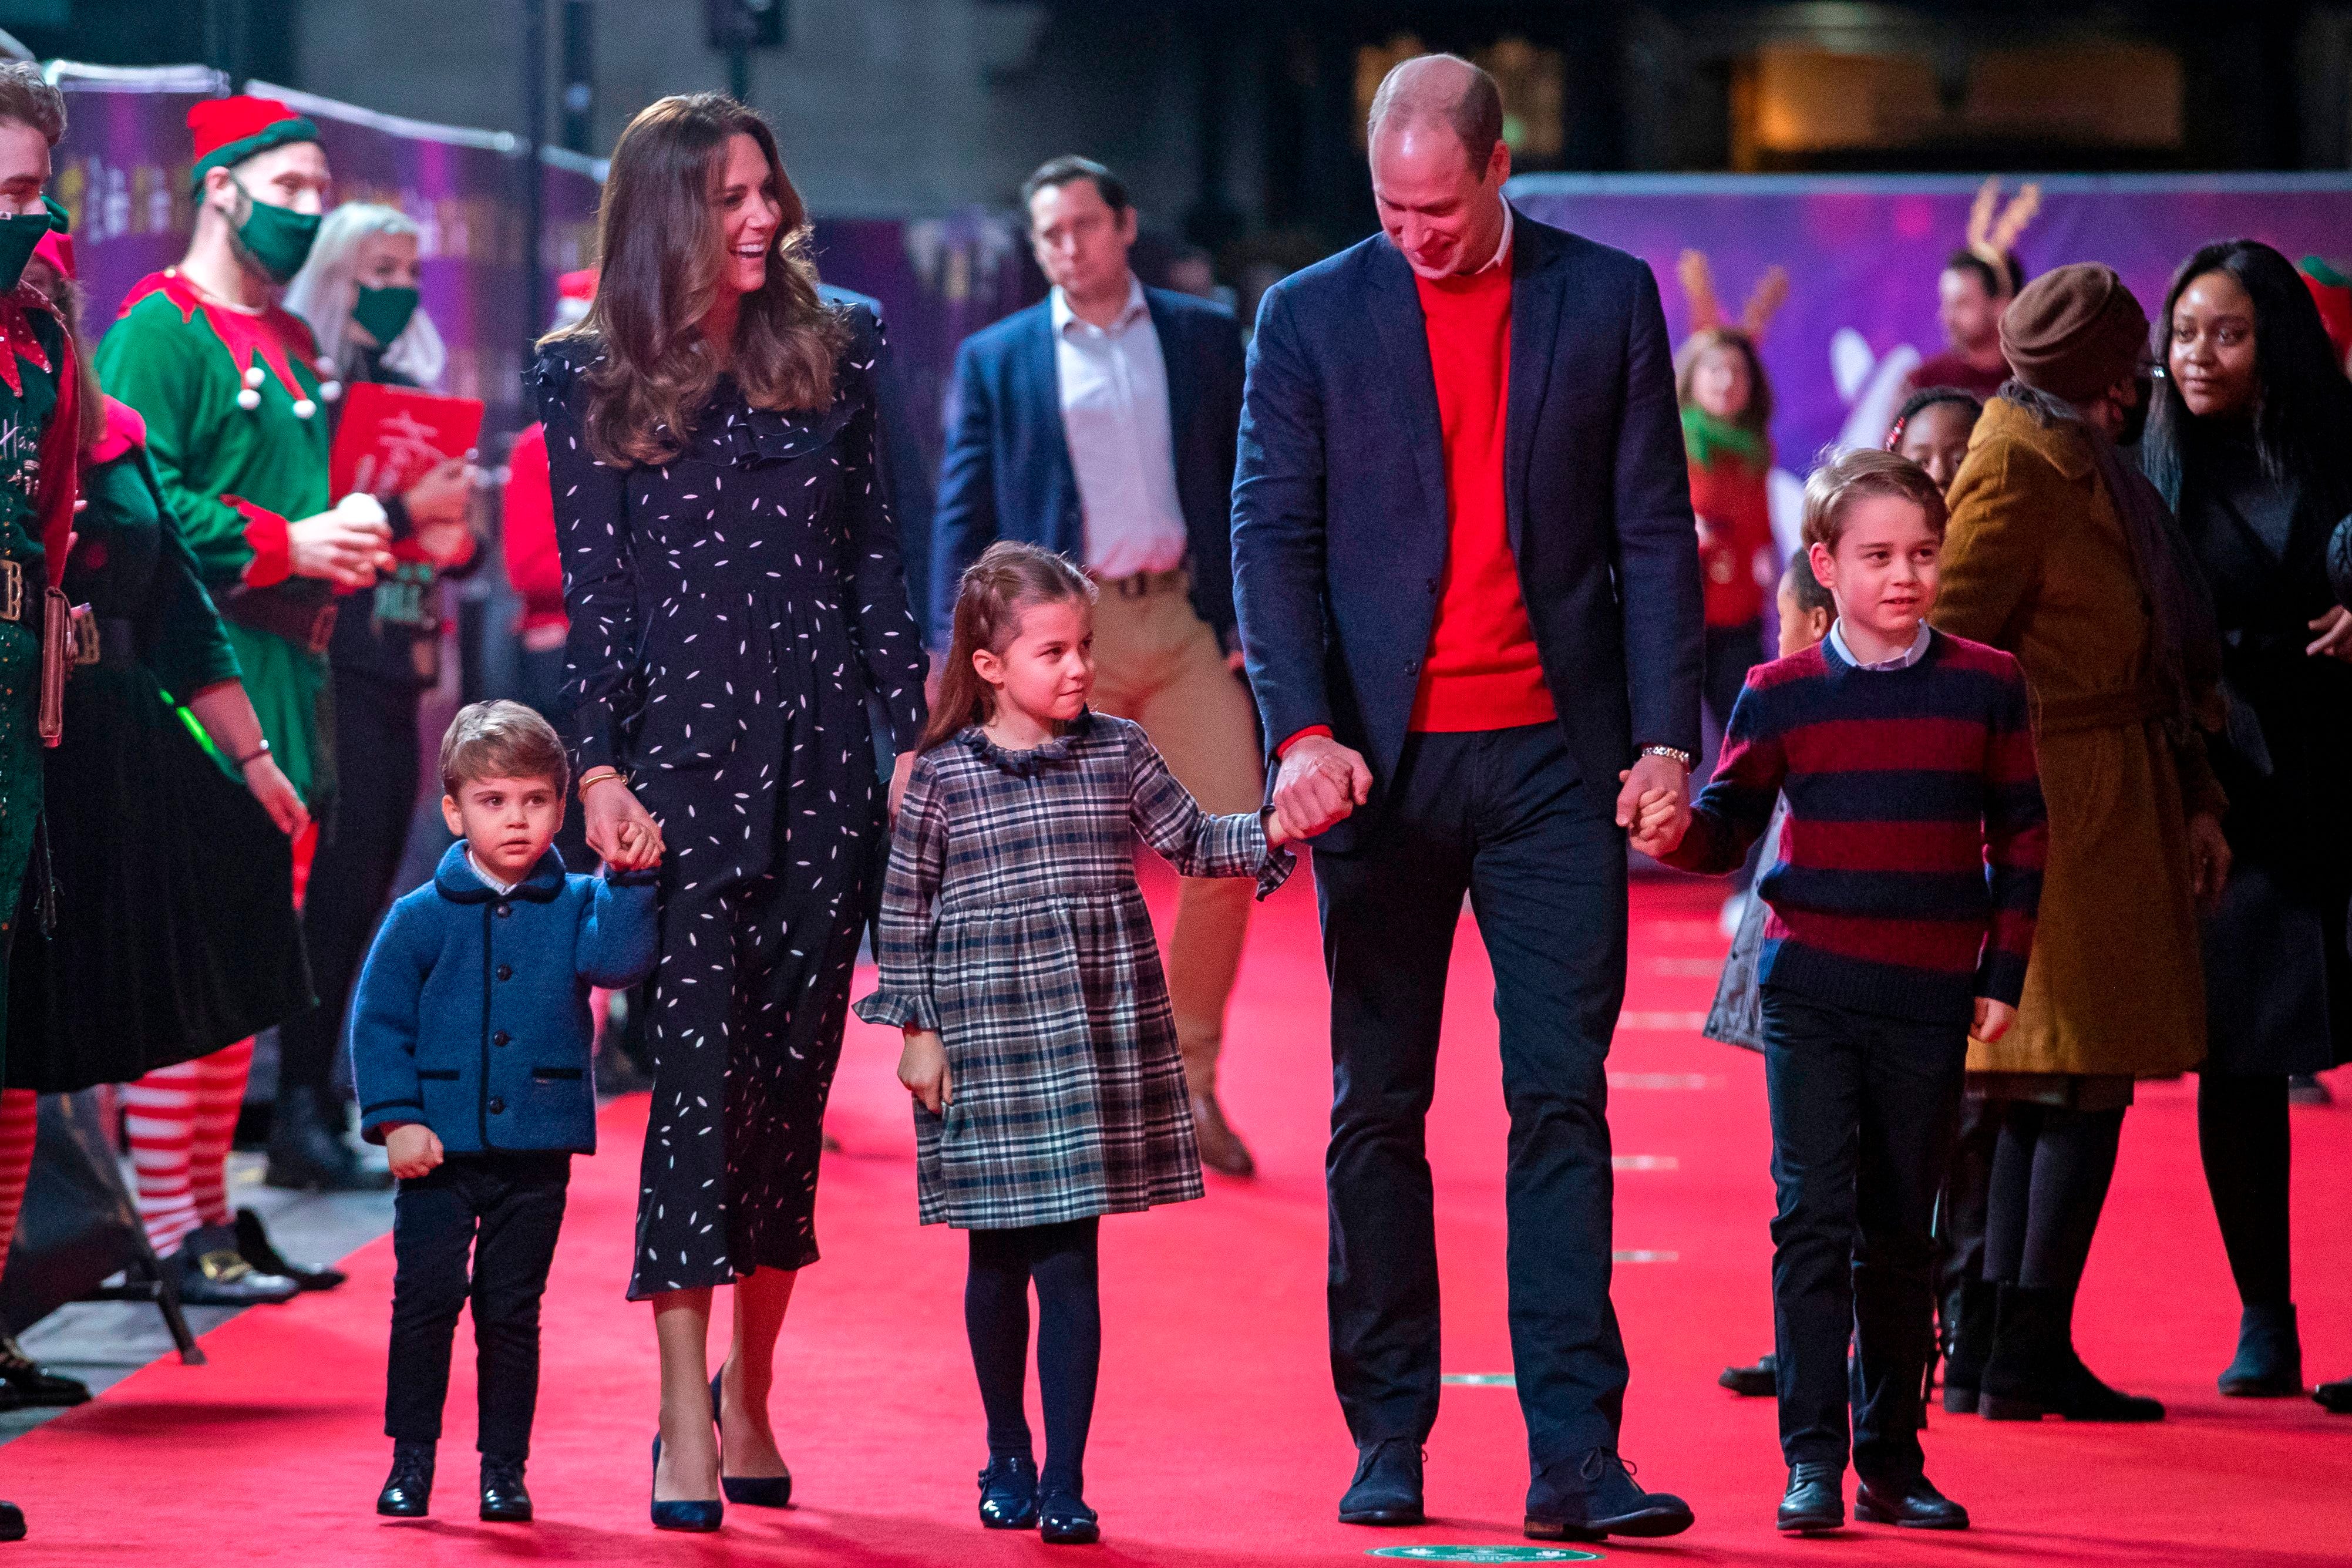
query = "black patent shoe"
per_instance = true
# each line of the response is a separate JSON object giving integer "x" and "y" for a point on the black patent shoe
{"x": 1064, "y": 1519}
{"x": 1911, "y": 1502}
{"x": 2269, "y": 1362}
{"x": 213, "y": 1274}
{"x": 253, "y": 1245}
{"x": 751, "y": 1491}
{"x": 1008, "y": 1493}
{"x": 1815, "y": 1499}
{"x": 32, "y": 1387}
{"x": 505, "y": 1500}
{"x": 1594, "y": 1495}
{"x": 12, "y": 1522}
{"x": 1387, "y": 1488}
{"x": 408, "y": 1491}
{"x": 1758, "y": 1381}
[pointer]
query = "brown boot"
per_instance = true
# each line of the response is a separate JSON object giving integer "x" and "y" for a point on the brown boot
{"x": 1222, "y": 1149}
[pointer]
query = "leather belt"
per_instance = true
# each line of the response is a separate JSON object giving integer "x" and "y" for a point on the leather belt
{"x": 305, "y": 625}
{"x": 12, "y": 591}
{"x": 2099, "y": 710}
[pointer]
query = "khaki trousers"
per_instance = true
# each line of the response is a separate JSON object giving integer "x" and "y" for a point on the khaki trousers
{"x": 1158, "y": 664}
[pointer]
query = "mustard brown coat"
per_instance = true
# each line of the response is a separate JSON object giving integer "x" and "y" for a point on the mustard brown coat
{"x": 2036, "y": 563}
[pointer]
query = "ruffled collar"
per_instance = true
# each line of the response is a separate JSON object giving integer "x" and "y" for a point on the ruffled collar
{"x": 1028, "y": 763}
{"x": 731, "y": 431}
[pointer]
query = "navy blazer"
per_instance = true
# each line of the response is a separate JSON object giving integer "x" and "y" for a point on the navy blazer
{"x": 1339, "y": 524}
{"x": 1007, "y": 473}
{"x": 472, "y": 1014}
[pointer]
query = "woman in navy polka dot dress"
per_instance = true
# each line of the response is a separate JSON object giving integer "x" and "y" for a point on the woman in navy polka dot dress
{"x": 735, "y": 592}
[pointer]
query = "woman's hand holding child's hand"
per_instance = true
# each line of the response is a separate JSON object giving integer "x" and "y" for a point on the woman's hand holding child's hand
{"x": 639, "y": 848}
{"x": 414, "y": 1149}
{"x": 923, "y": 1068}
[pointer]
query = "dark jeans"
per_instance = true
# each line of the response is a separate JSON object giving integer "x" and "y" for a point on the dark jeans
{"x": 507, "y": 1209}
{"x": 377, "y": 764}
{"x": 1863, "y": 1114}
{"x": 1502, "y": 815}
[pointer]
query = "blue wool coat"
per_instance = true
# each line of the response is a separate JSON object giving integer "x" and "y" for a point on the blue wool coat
{"x": 472, "y": 1014}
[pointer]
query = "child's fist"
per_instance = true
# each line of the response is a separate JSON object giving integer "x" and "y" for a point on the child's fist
{"x": 1992, "y": 1019}
{"x": 923, "y": 1069}
{"x": 414, "y": 1149}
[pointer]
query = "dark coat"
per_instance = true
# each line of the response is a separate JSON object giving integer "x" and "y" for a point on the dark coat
{"x": 1007, "y": 472}
{"x": 472, "y": 1014}
{"x": 1339, "y": 516}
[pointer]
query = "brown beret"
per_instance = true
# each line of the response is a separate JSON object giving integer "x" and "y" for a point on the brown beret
{"x": 2075, "y": 331}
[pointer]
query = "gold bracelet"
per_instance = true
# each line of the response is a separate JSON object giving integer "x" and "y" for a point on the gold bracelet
{"x": 595, "y": 776}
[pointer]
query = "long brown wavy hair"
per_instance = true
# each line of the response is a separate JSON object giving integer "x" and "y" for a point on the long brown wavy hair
{"x": 1009, "y": 577}
{"x": 660, "y": 244}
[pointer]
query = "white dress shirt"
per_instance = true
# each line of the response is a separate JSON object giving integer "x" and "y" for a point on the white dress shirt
{"x": 482, "y": 874}
{"x": 1114, "y": 387}
{"x": 1904, "y": 660}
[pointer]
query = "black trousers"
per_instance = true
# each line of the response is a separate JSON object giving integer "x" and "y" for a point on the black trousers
{"x": 1967, "y": 1195}
{"x": 377, "y": 764}
{"x": 1863, "y": 1112}
{"x": 1501, "y": 816}
{"x": 506, "y": 1210}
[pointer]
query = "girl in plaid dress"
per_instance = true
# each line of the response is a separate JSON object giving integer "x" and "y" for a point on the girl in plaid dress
{"x": 1018, "y": 957}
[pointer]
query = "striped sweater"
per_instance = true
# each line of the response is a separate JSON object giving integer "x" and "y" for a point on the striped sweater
{"x": 1903, "y": 787}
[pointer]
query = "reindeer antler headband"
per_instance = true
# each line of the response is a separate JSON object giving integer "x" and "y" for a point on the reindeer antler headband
{"x": 1989, "y": 237}
{"x": 1764, "y": 301}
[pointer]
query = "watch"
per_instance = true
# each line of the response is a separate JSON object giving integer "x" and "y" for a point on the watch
{"x": 1673, "y": 752}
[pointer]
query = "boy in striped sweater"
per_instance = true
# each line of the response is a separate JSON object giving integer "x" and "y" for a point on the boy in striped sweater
{"x": 1903, "y": 908}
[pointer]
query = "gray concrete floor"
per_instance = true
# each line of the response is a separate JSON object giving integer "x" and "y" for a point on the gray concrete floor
{"x": 102, "y": 1342}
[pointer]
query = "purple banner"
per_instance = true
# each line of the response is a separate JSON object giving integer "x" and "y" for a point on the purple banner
{"x": 1864, "y": 253}
{"x": 122, "y": 172}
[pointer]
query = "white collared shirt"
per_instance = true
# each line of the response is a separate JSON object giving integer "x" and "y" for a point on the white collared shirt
{"x": 1115, "y": 417}
{"x": 1904, "y": 660}
{"x": 492, "y": 883}
{"x": 1502, "y": 250}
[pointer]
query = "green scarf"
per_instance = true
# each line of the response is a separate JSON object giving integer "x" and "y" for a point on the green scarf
{"x": 1708, "y": 440}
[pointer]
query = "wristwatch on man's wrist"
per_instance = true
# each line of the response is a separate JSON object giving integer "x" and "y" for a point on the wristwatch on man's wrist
{"x": 1673, "y": 753}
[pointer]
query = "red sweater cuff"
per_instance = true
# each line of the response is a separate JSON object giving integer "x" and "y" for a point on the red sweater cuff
{"x": 1322, "y": 730}
{"x": 266, "y": 536}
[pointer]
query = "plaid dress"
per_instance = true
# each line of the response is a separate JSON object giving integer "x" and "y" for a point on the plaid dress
{"x": 1013, "y": 925}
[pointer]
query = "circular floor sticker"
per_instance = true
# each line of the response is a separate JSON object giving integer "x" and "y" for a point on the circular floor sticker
{"x": 1487, "y": 1554}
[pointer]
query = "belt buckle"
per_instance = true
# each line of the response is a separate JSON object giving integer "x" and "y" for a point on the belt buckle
{"x": 87, "y": 647}
{"x": 12, "y": 591}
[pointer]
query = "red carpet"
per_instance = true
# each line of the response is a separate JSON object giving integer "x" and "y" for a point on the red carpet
{"x": 1217, "y": 1442}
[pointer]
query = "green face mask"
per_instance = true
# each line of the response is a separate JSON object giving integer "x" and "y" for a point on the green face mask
{"x": 19, "y": 234}
{"x": 384, "y": 312}
{"x": 279, "y": 239}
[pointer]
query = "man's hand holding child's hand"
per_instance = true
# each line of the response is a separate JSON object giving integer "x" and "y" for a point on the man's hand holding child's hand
{"x": 414, "y": 1149}
{"x": 1653, "y": 821}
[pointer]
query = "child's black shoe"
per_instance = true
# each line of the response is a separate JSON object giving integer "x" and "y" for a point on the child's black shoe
{"x": 1064, "y": 1519}
{"x": 504, "y": 1499}
{"x": 408, "y": 1491}
{"x": 1008, "y": 1493}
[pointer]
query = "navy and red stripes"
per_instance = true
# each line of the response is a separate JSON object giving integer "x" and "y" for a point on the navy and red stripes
{"x": 1911, "y": 866}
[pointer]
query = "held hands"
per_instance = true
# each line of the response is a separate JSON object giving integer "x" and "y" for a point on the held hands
{"x": 2208, "y": 860}
{"x": 347, "y": 545}
{"x": 414, "y": 1149}
{"x": 620, "y": 830}
{"x": 277, "y": 795}
{"x": 1321, "y": 781}
{"x": 2335, "y": 629}
{"x": 1654, "y": 804}
{"x": 1993, "y": 1020}
{"x": 923, "y": 1068}
{"x": 900, "y": 771}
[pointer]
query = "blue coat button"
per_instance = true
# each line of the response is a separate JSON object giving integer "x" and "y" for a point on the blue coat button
{"x": 497, "y": 1105}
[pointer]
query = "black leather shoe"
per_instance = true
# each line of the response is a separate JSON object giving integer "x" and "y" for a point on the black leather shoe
{"x": 1008, "y": 1493}
{"x": 751, "y": 1491}
{"x": 2335, "y": 1398}
{"x": 1594, "y": 1495}
{"x": 1968, "y": 1346}
{"x": 2034, "y": 1371}
{"x": 1911, "y": 1502}
{"x": 32, "y": 1387}
{"x": 1758, "y": 1381}
{"x": 504, "y": 1499}
{"x": 1387, "y": 1488}
{"x": 253, "y": 1245}
{"x": 1064, "y": 1519}
{"x": 2269, "y": 1362}
{"x": 1815, "y": 1499}
{"x": 212, "y": 1274}
{"x": 307, "y": 1152}
{"x": 12, "y": 1522}
{"x": 408, "y": 1491}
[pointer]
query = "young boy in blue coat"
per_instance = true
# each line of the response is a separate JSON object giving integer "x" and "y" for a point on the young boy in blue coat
{"x": 471, "y": 1039}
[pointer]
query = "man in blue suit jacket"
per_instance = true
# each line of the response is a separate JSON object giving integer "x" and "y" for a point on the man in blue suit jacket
{"x": 1101, "y": 424}
{"x": 1470, "y": 599}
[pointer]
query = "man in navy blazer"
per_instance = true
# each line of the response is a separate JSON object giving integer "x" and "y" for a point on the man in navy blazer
{"x": 1468, "y": 587}
{"x": 1101, "y": 424}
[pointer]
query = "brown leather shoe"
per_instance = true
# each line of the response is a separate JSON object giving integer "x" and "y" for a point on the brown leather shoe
{"x": 1222, "y": 1149}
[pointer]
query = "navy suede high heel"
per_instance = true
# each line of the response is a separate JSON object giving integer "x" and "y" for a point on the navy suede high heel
{"x": 751, "y": 1491}
{"x": 691, "y": 1514}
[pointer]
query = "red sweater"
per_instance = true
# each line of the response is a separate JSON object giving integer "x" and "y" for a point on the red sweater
{"x": 1482, "y": 672}
{"x": 1734, "y": 503}
{"x": 533, "y": 566}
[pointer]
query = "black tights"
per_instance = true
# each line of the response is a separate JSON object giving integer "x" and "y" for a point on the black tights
{"x": 2050, "y": 1175}
{"x": 1061, "y": 1259}
{"x": 2242, "y": 1132}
